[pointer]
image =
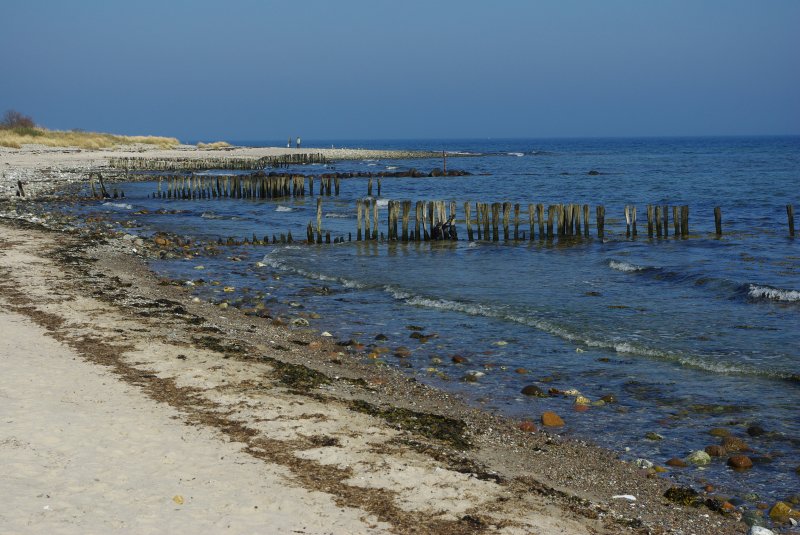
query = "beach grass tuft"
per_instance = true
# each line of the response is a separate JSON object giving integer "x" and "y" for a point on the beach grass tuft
{"x": 214, "y": 145}
{"x": 16, "y": 137}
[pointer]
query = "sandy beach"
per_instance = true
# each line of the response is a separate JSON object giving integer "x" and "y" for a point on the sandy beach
{"x": 130, "y": 407}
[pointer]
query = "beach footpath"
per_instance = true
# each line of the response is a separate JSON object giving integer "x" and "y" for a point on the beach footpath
{"x": 129, "y": 406}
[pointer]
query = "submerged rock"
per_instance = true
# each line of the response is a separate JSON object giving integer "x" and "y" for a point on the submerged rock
{"x": 699, "y": 458}
{"x": 740, "y": 462}
{"x": 676, "y": 463}
{"x": 716, "y": 451}
{"x": 533, "y": 390}
{"x": 527, "y": 426}
{"x": 735, "y": 444}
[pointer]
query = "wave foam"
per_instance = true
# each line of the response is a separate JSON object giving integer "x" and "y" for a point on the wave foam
{"x": 124, "y": 206}
{"x": 284, "y": 209}
{"x": 625, "y": 266}
{"x": 773, "y": 294}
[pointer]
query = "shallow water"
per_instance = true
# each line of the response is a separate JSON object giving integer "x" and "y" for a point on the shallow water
{"x": 688, "y": 335}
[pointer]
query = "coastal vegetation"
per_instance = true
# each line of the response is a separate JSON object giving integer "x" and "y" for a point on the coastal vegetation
{"x": 17, "y": 129}
{"x": 214, "y": 146}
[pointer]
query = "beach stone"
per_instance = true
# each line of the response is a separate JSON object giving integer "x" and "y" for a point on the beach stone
{"x": 533, "y": 390}
{"x": 740, "y": 462}
{"x": 609, "y": 398}
{"x": 699, "y": 458}
{"x": 676, "y": 463}
{"x": 716, "y": 451}
{"x": 551, "y": 419}
{"x": 780, "y": 511}
{"x": 582, "y": 400}
{"x": 752, "y": 518}
{"x": 521, "y": 370}
{"x": 527, "y": 426}
{"x": 719, "y": 432}
{"x": 644, "y": 463}
{"x": 760, "y": 530}
{"x": 381, "y": 337}
{"x": 755, "y": 430}
{"x": 458, "y": 359}
{"x": 653, "y": 436}
{"x": 580, "y": 407}
{"x": 300, "y": 322}
{"x": 735, "y": 444}
{"x": 402, "y": 352}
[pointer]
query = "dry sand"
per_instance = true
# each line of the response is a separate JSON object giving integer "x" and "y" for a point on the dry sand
{"x": 121, "y": 397}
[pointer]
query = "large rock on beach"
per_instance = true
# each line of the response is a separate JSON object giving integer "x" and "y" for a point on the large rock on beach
{"x": 780, "y": 512}
{"x": 551, "y": 419}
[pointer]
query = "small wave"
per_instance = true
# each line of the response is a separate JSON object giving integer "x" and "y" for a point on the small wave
{"x": 625, "y": 267}
{"x": 517, "y": 154}
{"x": 124, "y": 206}
{"x": 284, "y": 209}
{"x": 273, "y": 262}
{"x": 773, "y": 294}
{"x": 337, "y": 216}
{"x": 383, "y": 202}
{"x": 391, "y": 167}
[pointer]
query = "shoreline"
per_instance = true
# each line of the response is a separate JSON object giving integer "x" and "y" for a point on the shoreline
{"x": 487, "y": 472}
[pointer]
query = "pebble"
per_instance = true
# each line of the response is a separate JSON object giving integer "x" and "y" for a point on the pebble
{"x": 780, "y": 511}
{"x": 719, "y": 432}
{"x": 644, "y": 463}
{"x": 759, "y": 530}
{"x": 582, "y": 400}
{"x": 458, "y": 359}
{"x": 755, "y": 431}
{"x": 521, "y": 370}
{"x": 740, "y": 462}
{"x": 527, "y": 426}
{"x": 653, "y": 436}
{"x": 402, "y": 352}
{"x": 551, "y": 419}
{"x": 676, "y": 463}
{"x": 300, "y": 322}
{"x": 699, "y": 458}
{"x": 609, "y": 398}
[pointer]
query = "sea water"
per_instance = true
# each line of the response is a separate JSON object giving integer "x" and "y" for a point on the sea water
{"x": 687, "y": 334}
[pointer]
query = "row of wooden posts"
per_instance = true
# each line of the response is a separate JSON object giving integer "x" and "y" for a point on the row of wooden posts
{"x": 555, "y": 220}
{"x": 233, "y": 163}
{"x": 241, "y": 186}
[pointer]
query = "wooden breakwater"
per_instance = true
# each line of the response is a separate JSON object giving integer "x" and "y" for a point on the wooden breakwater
{"x": 232, "y": 163}
{"x": 256, "y": 186}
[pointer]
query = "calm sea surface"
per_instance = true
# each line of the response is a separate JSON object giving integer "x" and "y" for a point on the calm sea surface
{"x": 688, "y": 335}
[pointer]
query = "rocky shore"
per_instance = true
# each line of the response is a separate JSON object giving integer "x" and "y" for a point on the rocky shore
{"x": 361, "y": 447}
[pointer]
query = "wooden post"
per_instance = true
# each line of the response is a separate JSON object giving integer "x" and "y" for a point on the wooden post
{"x": 417, "y": 220}
{"x": 790, "y": 217}
{"x": 406, "y": 214}
{"x": 444, "y": 162}
{"x": 359, "y": 211}
{"x": 586, "y": 220}
{"x": 506, "y": 217}
{"x": 495, "y": 221}
{"x": 551, "y": 209}
{"x": 367, "y": 226}
{"x": 531, "y": 219}
{"x": 685, "y": 220}
{"x": 633, "y": 218}
{"x": 375, "y": 219}
{"x": 319, "y": 219}
{"x": 676, "y": 222}
{"x": 658, "y": 221}
{"x": 369, "y": 186}
{"x": 516, "y": 222}
{"x": 540, "y": 219}
{"x": 336, "y": 185}
{"x": 627, "y": 221}
{"x": 718, "y": 220}
{"x": 665, "y": 213}
{"x": 649, "y": 220}
{"x": 485, "y": 221}
{"x": 379, "y": 187}
{"x": 467, "y": 220}
{"x": 478, "y": 219}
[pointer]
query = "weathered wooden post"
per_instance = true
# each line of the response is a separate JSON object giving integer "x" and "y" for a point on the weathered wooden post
{"x": 406, "y": 215}
{"x": 369, "y": 186}
{"x": 367, "y": 226}
{"x": 379, "y": 187}
{"x": 665, "y": 212}
{"x": 685, "y": 220}
{"x": 790, "y": 217}
{"x": 319, "y": 219}
{"x": 417, "y": 220}
{"x": 516, "y": 222}
{"x": 633, "y": 220}
{"x": 485, "y": 221}
{"x": 375, "y": 217}
{"x": 506, "y": 218}
{"x": 649, "y": 220}
{"x": 359, "y": 211}
{"x": 658, "y": 221}
{"x": 676, "y": 222}
{"x": 495, "y": 221}
{"x": 551, "y": 209}
{"x": 718, "y": 220}
{"x": 586, "y": 220}
{"x": 467, "y": 220}
{"x": 540, "y": 219}
{"x": 531, "y": 219}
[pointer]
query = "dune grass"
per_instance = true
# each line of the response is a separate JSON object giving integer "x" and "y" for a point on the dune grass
{"x": 215, "y": 145}
{"x": 15, "y": 138}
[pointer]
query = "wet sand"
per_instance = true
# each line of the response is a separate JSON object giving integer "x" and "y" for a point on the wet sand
{"x": 128, "y": 405}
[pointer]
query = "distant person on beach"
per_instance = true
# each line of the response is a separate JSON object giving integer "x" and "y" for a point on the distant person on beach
{"x": 298, "y": 142}
{"x": 289, "y": 143}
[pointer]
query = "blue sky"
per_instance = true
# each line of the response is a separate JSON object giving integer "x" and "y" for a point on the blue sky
{"x": 404, "y": 69}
